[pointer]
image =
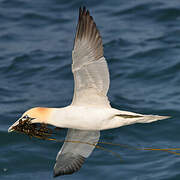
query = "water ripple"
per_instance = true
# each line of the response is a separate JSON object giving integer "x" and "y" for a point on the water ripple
{"x": 141, "y": 45}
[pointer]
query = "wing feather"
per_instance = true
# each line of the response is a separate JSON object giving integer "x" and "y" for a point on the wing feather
{"x": 91, "y": 78}
{"x": 89, "y": 66}
{"x": 72, "y": 155}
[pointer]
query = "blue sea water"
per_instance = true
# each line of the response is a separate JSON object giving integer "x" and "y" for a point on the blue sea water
{"x": 142, "y": 47}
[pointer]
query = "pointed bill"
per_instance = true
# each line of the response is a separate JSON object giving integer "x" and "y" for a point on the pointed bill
{"x": 11, "y": 128}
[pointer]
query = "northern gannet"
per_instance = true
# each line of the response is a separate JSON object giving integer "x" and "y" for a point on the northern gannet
{"x": 90, "y": 110}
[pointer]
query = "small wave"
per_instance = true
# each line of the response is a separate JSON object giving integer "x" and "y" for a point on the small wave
{"x": 166, "y": 14}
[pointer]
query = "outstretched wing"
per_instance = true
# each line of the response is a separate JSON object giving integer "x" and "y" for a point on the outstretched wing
{"x": 72, "y": 155}
{"x": 89, "y": 66}
{"x": 91, "y": 78}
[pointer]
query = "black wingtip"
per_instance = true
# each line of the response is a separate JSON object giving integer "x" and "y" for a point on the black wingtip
{"x": 55, "y": 175}
{"x": 86, "y": 31}
{"x": 68, "y": 163}
{"x": 83, "y": 10}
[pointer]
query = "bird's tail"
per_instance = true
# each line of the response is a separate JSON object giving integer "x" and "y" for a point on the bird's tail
{"x": 151, "y": 118}
{"x": 127, "y": 118}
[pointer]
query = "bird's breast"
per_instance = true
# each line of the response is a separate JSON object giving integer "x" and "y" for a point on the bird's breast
{"x": 84, "y": 118}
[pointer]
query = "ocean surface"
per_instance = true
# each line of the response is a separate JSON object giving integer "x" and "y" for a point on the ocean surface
{"x": 142, "y": 47}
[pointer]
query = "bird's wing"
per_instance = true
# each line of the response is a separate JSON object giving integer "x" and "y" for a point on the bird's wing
{"x": 89, "y": 66}
{"x": 72, "y": 155}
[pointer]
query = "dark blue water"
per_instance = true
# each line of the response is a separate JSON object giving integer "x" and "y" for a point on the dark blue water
{"x": 142, "y": 46}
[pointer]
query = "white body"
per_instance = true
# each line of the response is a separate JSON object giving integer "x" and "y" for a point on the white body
{"x": 97, "y": 118}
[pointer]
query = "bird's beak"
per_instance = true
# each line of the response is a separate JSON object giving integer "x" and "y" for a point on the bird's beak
{"x": 11, "y": 128}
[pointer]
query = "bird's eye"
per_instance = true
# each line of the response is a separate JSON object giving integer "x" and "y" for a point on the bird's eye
{"x": 25, "y": 117}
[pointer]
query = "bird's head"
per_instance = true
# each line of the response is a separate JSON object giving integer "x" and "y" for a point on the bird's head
{"x": 34, "y": 115}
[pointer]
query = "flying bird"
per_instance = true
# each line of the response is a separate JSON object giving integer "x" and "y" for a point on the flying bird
{"x": 90, "y": 110}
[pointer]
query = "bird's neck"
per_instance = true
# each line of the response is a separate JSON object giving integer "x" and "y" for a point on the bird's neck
{"x": 43, "y": 115}
{"x": 56, "y": 116}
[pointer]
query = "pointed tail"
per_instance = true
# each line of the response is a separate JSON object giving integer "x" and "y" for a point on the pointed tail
{"x": 127, "y": 118}
{"x": 151, "y": 118}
